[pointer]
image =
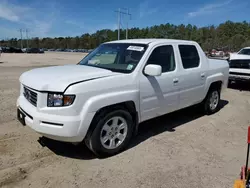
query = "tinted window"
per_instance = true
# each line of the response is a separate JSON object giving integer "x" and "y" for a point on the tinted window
{"x": 163, "y": 56}
{"x": 189, "y": 56}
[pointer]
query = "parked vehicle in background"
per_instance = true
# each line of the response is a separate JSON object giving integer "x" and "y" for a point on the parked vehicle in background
{"x": 240, "y": 66}
{"x": 24, "y": 50}
{"x": 103, "y": 98}
{"x": 11, "y": 50}
{"x": 60, "y": 50}
{"x": 41, "y": 51}
{"x": 34, "y": 50}
{"x": 82, "y": 50}
{"x": 207, "y": 53}
{"x": 217, "y": 53}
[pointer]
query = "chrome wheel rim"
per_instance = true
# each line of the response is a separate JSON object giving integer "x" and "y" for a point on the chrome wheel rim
{"x": 114, "y": 132}
{"x": 214, "y": 100}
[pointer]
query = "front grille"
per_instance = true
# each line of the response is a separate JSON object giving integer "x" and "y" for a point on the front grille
{"x": 31, "y": 96}
{"x": 240, "y": 64}
{"x": 239, "y": 73}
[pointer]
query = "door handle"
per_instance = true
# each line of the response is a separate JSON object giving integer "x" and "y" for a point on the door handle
{"x": 175, "y": 80}
{"x": 203, "y": 75}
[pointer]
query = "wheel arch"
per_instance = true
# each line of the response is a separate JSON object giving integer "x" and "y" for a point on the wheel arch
{"x": 129, "y": 106}
{"x": 214, "y": 84}
{"x": 214, "y": 80}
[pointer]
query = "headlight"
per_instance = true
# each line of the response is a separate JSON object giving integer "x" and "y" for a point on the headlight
{"x": 57, "y": 100}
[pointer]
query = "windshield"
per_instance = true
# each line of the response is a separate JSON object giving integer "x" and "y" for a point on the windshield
{"x": 117, "y": 57}
{"x": 245, "y": 52}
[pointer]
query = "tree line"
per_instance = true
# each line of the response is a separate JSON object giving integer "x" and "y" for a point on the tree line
{"x": 226, "y": 36}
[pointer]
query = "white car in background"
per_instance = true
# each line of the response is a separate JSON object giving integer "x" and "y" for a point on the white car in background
{"x": 239, "y": 64}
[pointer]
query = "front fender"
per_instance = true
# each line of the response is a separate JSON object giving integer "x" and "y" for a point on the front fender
{"x": 93, "y": 104}
{"x": 97, "y": 102}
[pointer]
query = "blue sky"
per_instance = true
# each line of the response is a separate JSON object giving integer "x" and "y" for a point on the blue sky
{"x": 50, "y": 18}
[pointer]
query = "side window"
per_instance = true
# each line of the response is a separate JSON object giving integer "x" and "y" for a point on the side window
{"x": 163, "y": 56}
{"x": 189, "y": 56}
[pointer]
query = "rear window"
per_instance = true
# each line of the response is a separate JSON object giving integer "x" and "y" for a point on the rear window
{"x": 189, "y": 56}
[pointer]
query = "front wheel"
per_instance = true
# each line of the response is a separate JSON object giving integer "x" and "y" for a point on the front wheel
{"x": 211, "y": 103}
{"x": 112, "y": 133}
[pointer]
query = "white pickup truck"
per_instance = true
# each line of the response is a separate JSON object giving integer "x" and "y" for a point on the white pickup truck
{"x": 239, "y": 64}
{"x": 103, "y": 98}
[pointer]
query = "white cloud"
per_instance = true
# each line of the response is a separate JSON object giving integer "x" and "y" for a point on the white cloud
{"x": 209, "y": 8}
{"x": 12, "y": 12}
{"x": 145, "y": 9}
{"x": 38, "y": 23}
{"x": 8, "y": 14}
{"x": 45, "y": 22}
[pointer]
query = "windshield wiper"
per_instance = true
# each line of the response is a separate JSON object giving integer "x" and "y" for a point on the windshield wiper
{"x": 89, "y": 65}
{"x": 111, "y": 69}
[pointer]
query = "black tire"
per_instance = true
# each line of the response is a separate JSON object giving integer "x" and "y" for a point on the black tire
{"x": 93, "y": 140}
{"x": 206, "y": 104}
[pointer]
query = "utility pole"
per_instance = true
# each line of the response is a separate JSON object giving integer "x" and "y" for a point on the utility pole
{"x": 21, "y": 33}
{"x": 119, "y": 24}
{"x": 119, "y": 21}
{"x": 27, "y": 38}
{"x": 128, "y": 18}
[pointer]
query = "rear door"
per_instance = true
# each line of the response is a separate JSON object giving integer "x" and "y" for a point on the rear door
{"x": 159, "y": 94}
{"x": 192, "y": 76}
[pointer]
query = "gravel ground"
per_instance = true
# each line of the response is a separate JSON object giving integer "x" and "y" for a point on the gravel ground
{"x": 182, "y": 149}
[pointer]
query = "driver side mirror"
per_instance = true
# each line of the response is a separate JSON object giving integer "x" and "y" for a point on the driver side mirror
{"x": 153, "y": 70}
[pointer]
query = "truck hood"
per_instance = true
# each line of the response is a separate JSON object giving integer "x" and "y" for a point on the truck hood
{"x": 238, "y": 56}
{"x": 58, "y": 78}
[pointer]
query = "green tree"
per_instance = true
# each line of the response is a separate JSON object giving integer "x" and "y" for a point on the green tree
{"x": 228, "y": 35}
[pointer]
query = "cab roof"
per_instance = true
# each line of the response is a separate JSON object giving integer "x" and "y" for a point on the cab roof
{"x": 152, "y": 40}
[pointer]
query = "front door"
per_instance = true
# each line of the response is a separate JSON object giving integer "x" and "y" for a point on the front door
{"x": 159, "y": 94}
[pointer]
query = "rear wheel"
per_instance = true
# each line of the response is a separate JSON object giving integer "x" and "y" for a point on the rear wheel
{"x": 112, "y": 133}
{"x": 211, "y": 103}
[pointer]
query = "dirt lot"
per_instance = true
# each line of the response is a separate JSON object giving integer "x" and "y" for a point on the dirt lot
{"x": 183, "y": 149}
